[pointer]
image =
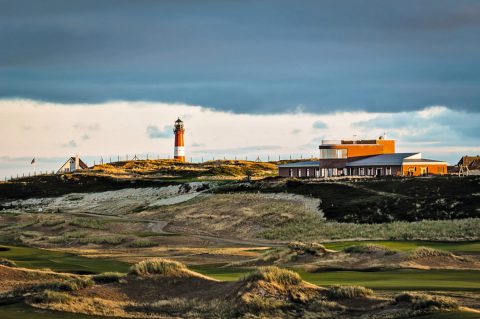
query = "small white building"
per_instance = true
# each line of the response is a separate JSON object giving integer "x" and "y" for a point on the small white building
{"x": 71, "y": 165}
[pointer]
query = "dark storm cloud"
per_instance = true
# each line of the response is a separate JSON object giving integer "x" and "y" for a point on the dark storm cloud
{"x": 244, "y": 56}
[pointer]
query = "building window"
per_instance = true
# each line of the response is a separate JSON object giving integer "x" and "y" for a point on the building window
{"x": 299, "y": 172}
{"x": 290, "y": 172}
{"x": 362, "y": 171}
{"x": 388, "y": 170}
{"x": 308, "y": 172}
{"x": 329, "y": 153}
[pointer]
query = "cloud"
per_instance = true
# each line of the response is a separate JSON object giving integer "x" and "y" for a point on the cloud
{"x": 381, "y": 59}
{"x": 296, "y": 131}
{"x": 154, "y": 132}
{"x": 87, "y": 127}
{"x": 121, "y": 126}
{"x": 319, "y": 125}
{"x": 70, "y": 144}
{"x": 85, "y": 137}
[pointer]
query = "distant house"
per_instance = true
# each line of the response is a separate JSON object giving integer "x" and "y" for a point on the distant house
{"x": 472, "y": 162}
{"x": 71, "y": 165}
{"x": 469, "y": 165}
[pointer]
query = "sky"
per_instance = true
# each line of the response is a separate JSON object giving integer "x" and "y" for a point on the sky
{"x": 250, "y": 78}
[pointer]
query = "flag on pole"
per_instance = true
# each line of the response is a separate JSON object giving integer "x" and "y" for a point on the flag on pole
{"x": 33, "y": 161}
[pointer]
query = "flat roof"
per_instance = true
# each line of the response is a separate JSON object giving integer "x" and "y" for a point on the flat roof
{"x": 301, "y": 164}
{"x": 395, "y": 159}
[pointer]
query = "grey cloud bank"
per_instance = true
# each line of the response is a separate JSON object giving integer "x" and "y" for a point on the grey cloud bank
{"x": 245, "y": 56}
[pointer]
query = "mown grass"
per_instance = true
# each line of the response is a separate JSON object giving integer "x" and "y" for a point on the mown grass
{"x": 36, "y": 258}
{"x": 454, "y": 247}
{"x": 442, "y": 280}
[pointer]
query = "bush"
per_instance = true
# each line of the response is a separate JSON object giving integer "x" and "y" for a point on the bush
{"x": 73, "y": 284}
{"x": 142, "y": 243}
{"x": 369, "y": 249}
{"x": 7, "y": 262}
{"x": 348, "y": 292}
{"x": 274, "y": 274}
{"x": 53, "y": 222}
{"x": 49, "y": 296}
{"x": 103, "y": 240}
{"x": 308, "y": 248}
{"x": 422, "y": 301}
{"x": 159, "y": 266}
{"x": 426, "y": 252}
{"x": 107, "y": 277}
{"x": 89, "y": 223}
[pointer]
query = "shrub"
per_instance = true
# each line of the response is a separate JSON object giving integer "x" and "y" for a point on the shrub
{"x": 7, "y": 262}
{"x": 426, "y": 252}
{"x": 274, "y": 274}
{"x": 348, "y": 292}
{"x": 309, "y": 248}
{"x": 142, "y": 243}
{"x": 53, "y": 222}
{"x": 103, "y": 240}
{"x": 369, "y": 249}
{"x": 49, "y": 296}
{"x": 89, "y": 223}
{"x": 159, "y": 266}
{"x": 423, "y": 301}
{"x": 73, "y": 284}
{"x": 107, "y": 277}
{"x": 322, "y": 305}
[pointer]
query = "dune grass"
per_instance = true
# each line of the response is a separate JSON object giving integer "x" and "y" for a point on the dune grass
{"x": 426, "y": 252}
{"x": 159, "y": 266}
{"x": 272, "y": 274}
{"x": 348, "y": 292}
{"x": 107, "y": 277}
{"x": 423, "y": 301}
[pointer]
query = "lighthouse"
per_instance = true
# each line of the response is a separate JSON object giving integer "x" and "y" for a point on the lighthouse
{"x": 179, "y": 151}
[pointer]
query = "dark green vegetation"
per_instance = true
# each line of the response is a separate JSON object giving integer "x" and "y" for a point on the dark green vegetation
{"x": 63, "y": 262}
{"x": 119, "y": 175}
{"x": 57, "y": 185}
{"x": 22, "y": 311}
{"x": 454, "y": 247}
{"x": 384, "y": 200}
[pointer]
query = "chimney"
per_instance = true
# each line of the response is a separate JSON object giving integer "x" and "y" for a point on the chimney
{"x": 77, "y": 162}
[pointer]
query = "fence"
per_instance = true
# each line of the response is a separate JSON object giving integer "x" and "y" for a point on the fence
{"x": 93, "y": 161}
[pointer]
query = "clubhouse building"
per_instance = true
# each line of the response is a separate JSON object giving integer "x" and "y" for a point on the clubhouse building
{"x": 363, "y": 158}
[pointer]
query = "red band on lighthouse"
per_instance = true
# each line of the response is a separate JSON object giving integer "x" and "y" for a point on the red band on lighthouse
{"x": 179, "y": 150}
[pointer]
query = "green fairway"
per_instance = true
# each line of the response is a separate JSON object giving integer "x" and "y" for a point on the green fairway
{"x": 455, "y": 247}
{"x": 22, "y": 311}
{"x": 451, "y": 315}
{"x": 58, "y": 261}
{"x": 382, "y": 280}
{"x": 400, "y": 279}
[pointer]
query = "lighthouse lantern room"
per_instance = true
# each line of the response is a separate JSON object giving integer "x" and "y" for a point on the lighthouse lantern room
{"x": 179, "y": 151}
